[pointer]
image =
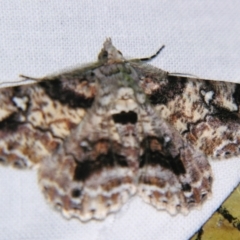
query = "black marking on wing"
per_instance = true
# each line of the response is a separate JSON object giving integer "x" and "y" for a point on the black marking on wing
{"x": 55, "y": 89}
{"x": 162, "y": 158}
{"x": 89, "y": 167}
{"x": 76, "y": 193}
{"x": 236, "y": 94}
{"x": 125, "y": 117}
{"x": 225, "y": 115}
{"x": 169, "y": 91}
{"x": 186, "y": 187}
{"x": 10, "y": 123}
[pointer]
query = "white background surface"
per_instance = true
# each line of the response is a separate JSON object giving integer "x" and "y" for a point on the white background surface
{"x": 41, "y": 37}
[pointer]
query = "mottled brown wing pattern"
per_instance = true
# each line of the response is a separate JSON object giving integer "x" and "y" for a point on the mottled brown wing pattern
{"x": 95, "y": 172}
{"x": 205, "y": 112}
{"x": 105, "y": 132}
{"x": 34, "y": 119}
{"x": 174, "y": 182}
{"x": 122, "y": 147}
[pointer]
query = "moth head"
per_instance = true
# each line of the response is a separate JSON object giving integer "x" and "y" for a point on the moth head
{"x": 109, "y": 54}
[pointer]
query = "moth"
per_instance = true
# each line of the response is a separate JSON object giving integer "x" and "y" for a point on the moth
{"x": 119, "y": 127}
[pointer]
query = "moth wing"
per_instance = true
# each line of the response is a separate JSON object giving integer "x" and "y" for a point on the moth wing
{"x": 89, "y": 177}
{"x": 35, "y": 118}
{"x": 173, "y": 175}
{"x": 205, "y": 112}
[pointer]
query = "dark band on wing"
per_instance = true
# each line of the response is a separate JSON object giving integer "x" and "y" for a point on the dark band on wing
{"x": 56, "y": 90}
{"x": 166, "y": 92}
{"x": 236, "y": 94}
{"x": 10, "y": 123}
{"x": 153, "y": 155}
{"x": 89, "y": 166}
{"x": 225, "y": 115}
{"x": 125, "y": 117}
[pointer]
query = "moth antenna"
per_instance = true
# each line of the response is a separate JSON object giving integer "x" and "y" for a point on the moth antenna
{"x": 29, "y": 78}
{"x": 154, "y": 55}
{"x": 21, "y": 81}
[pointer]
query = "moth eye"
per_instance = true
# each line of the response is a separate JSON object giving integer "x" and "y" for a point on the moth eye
{"x": 105, "y": 54}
